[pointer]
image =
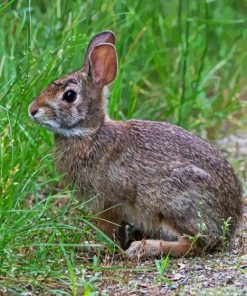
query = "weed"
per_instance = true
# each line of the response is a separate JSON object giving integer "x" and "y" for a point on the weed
{"x": 225, "y": 233}
{"x": 161, "y": 266}
{"x": 201, "y": 226}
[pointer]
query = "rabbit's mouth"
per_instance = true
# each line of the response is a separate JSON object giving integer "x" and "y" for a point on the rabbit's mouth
{"x": 49, "y": 124}
{"x": 57, "y": 127}
{"x": 67, "y": 132}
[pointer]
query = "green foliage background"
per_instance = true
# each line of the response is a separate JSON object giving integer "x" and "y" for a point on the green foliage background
{"x": 180, "y": 61}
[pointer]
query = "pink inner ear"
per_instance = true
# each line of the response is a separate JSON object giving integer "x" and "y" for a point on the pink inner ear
{"x": 103, "y": 37}
{"x": 97, "y": 76}
{"x": 103, "y": 60}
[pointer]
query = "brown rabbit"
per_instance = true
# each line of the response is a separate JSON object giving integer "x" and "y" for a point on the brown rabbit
{"x": 168, "y": 183}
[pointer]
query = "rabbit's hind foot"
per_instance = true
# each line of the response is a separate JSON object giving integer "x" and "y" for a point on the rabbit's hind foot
{"x": 156, "y": 248}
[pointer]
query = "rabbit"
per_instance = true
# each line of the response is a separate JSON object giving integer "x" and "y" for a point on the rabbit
{"x": 174, "y": 187}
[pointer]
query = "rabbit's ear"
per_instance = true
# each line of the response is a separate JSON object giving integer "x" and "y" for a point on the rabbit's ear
{"x": 103, "y": 64}
{"x": 103, "y": 37}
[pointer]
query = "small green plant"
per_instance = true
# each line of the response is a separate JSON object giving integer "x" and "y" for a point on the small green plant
{"x": 225, "y": 232}
{"x": 161, "y": 266}
{"x": 89, "y": 286}
{"x": 193, "y": 239}
{"x": 202, "y": 227}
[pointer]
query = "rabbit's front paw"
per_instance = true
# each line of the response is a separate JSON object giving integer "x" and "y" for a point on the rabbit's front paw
{"x": 144, "y": 249}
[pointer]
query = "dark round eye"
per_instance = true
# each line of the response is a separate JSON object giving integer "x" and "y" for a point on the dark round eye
{"x": 69, "y": 96}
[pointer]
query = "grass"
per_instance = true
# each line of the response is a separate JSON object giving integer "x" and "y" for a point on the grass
{"x": 183, "y": 62}
{"x": 161, "y": 266}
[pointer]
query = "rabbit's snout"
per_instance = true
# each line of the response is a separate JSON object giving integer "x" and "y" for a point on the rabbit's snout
{"x": 38, "y": 111}
{"x": 35, "y": 113}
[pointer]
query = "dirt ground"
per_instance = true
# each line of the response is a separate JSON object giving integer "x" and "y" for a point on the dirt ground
{"x": 216, "y": 274}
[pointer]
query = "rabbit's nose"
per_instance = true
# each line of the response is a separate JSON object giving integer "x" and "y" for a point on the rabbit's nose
{"x": 34, "y": 112}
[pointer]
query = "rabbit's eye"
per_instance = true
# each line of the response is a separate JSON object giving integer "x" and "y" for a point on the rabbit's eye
{"x": 69, "y": 96}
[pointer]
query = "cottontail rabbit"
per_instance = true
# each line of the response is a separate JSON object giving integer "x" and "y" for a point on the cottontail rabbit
{"x": 168, "y": 183}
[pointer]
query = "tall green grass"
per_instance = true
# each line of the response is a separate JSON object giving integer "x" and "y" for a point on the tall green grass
{"x": 181, "y": 61}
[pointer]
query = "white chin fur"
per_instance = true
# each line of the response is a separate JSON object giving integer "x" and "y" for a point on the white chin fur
{"x": 67, "y": 132}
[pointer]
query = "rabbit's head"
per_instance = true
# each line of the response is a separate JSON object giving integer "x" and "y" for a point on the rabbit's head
{"x": 74, "y": 105}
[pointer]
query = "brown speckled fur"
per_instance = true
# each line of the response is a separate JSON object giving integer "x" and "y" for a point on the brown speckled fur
{"x": 155, "y": 175}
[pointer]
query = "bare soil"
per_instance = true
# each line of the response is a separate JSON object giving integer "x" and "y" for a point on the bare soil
{"x": 215, "y": 274}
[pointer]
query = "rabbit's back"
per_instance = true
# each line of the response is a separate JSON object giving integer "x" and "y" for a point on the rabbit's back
{"x": 154, "y": 150}
{"x": 169, "y": 174}
{"x": 187, "y": 160}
